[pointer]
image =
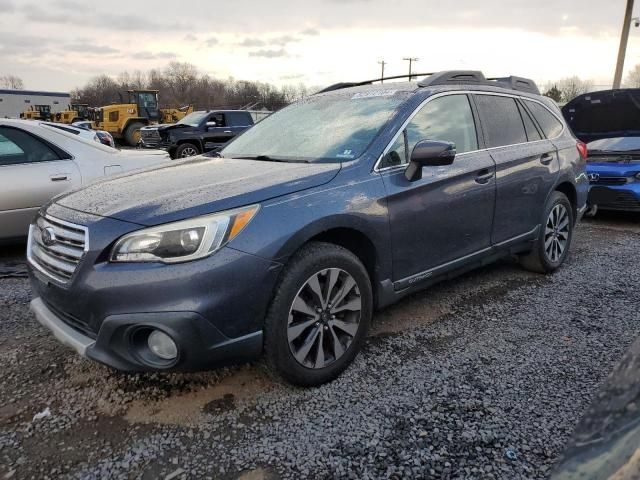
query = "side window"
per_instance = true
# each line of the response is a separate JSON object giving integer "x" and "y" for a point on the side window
{"x": 448, "y": 119}
{"x": 17, "y": 146}
{"x": 397, "y": 155}
{"x": 238, "y": 119}
{"x": 501, "y": 120}
{"x": 532, "y": 131}
{"x": 551, "y": 126}
{"x": 219, "y": 119}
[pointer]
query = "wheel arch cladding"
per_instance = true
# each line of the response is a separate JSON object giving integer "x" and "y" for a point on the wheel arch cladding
{"x": 569, "y": 190}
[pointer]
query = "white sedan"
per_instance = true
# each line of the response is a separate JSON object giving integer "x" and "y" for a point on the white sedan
{"x": 39, "y": 161}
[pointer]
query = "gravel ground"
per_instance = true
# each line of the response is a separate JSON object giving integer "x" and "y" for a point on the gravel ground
{"x": 481, "y": 377}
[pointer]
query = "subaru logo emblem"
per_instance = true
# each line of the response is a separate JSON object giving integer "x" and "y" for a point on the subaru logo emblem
{"x": 48, "y": 236}
{"x": 594, "y": 177}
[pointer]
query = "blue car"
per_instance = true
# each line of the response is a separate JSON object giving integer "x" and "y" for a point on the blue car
{"x": 285, "y": 241}
{"x": 609, "y": 122}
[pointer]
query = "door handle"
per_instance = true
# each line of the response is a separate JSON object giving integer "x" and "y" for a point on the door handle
{"x": 62, "y": 177}
{"x": 484, "y": 176}
{"x": 546, "y": 159}
{"x": 228, "y": 131}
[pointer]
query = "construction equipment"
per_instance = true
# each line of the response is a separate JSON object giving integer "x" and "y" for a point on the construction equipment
{"x": 75, "y": 113}
{"x": 37, "y": 112}
{"x": 124, "y": 120}
{"x": 173, "y": 115}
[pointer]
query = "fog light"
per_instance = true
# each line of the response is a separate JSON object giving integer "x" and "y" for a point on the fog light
{"x": 162, "y": 345}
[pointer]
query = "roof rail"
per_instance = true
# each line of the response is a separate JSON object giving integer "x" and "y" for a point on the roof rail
{"x": 474, "y": 77}
{"x": 517, "y": 83}
{"x": 338, "y": 86}
{"x": 451, "y": 77}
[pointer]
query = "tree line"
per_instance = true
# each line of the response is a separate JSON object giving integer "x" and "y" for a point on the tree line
{"x": 181, "y": 84}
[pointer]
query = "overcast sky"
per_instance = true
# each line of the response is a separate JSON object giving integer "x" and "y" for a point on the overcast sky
{"x": 60, "y": 44}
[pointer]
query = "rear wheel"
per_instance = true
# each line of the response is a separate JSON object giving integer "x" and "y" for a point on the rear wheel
{"x": 132, "y": 134}
{"x": 187, "y": 150}
{"x": 320, "y": 315}
{"x": 554, "y": 239}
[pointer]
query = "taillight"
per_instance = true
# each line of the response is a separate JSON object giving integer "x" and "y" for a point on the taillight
{"x": 582, "y": 150}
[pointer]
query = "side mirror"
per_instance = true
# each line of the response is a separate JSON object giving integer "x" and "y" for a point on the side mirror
{"x": 429, "y": 153}
{"x": 211, "y": 124}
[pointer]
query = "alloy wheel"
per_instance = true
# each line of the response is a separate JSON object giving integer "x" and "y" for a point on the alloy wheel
{"x": 188, "y": 152}
{"x": 556, "y": 233}
{"x": 324, "y": 318}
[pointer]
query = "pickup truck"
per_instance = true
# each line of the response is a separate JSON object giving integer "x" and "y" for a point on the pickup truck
{"x": 197, "y": 133}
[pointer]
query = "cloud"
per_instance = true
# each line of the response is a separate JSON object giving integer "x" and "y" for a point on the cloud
{"x": 283, "y": 40}
{"x": 269, "y": 53}
{"x": 310, "y": 32}
{"x": 7, "y": 6}
{"x": 190, "y": 37}
{"x": 83, "y": 47}
{"x": 146, "y": 55}
{"x": 252, "y": 42}
{"x": 211, "y": 41}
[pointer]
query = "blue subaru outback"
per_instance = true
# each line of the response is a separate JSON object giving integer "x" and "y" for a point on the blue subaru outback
{"x": 286, "y": 241}
{"x": 609, "y": 121}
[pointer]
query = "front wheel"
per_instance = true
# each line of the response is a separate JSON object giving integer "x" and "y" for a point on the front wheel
{"x": 320, "y": 315}
{"x": 554, "y": 239}
{"x": 185, "y": 150}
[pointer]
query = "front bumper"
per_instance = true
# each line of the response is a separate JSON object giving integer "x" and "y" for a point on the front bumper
{"x": 618, "y": 198}
{"x": 200, "y": 344}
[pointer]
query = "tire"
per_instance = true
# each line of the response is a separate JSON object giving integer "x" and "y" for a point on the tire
{"x": 185, "y": 150}
{"x": 551, "y": 248}
{"x": 132, "y": 133}
{"x": 295, "y": 329}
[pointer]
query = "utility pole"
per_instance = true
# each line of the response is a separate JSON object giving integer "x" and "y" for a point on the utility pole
{"x": 383, "y": 63}
{"x": 414, "y": 59}
{"x": 624, "y": 39}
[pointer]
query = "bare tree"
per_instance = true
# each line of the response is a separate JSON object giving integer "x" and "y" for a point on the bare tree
{"x": 12, "y": 82}
{"x": 633, "y": 78}
{"x": 571, "y": 87}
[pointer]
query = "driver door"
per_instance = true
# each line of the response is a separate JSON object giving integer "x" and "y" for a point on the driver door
{"x": 31, "y": 173}
{"x": 447, "y": 215}
{"x": 217, "y": 135}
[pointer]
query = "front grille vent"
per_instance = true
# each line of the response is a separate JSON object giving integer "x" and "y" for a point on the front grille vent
{"x": 56, "y": 247}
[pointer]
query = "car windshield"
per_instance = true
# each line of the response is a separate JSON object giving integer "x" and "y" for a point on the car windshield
{"x": 331, "y": 127}
{"x": 193, "y": 119}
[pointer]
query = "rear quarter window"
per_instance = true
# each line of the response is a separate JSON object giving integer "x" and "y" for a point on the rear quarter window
{"x": 551, "y": 126}
{"x": 501, "y": 121}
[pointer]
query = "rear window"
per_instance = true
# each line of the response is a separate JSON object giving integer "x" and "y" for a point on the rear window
{"x": 501, "y": 120}
{"x": 551, "y": 126}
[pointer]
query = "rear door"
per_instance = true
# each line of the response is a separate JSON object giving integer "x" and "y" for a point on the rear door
{"x": 526, "y": 165}
{"x": 238, "y": 122}
{"x": 31, "y": 173}
{"x": 446, "y": 215}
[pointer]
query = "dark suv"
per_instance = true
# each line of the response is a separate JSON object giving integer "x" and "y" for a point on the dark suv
{"x": 198, "y": 132}
{"x": 287, "y": 242}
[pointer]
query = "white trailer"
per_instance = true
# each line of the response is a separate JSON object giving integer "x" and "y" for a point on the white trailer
{"x": 14, "y": 102}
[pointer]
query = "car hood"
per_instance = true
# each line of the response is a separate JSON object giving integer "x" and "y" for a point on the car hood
{"x": 195, "y": 186}
{"x": 604, "y": 114}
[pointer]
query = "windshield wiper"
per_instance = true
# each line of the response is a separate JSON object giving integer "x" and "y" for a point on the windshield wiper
{"x": 267, "y": 158}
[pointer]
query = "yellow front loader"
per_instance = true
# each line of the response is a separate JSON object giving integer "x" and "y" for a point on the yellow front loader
{"x": 124, "y": 120}
{"x": 173, "y": 115}
{"x": 75, "y": 113}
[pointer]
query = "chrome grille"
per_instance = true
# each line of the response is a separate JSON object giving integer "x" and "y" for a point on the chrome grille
{"x": 150, "y": 136}
{"x": 56, "y": 247}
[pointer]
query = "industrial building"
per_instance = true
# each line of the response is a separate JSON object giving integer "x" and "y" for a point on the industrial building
{"x": 14, "y": 102}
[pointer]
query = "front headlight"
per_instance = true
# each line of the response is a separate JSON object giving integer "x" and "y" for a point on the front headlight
{"x": 182, "y": 241}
